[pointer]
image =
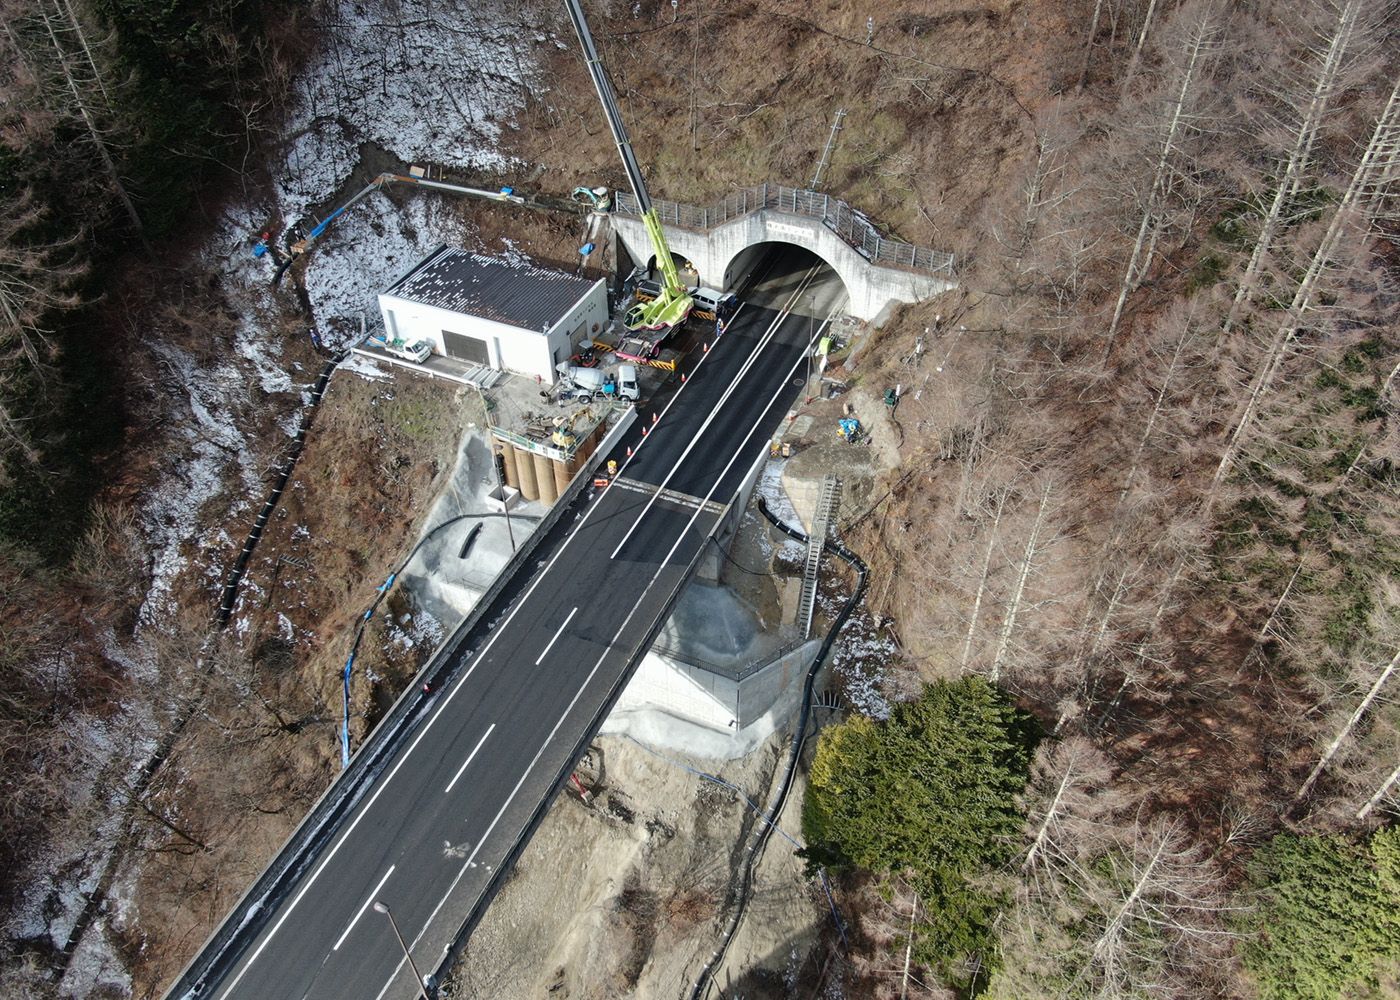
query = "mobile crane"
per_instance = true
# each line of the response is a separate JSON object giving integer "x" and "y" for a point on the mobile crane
{"x": 652, "y": 320}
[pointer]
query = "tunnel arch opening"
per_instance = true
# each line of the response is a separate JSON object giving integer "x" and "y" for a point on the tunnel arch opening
{"x": 775, "y": 260}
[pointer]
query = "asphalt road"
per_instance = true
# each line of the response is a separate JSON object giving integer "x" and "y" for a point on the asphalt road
{"x": 487, "y": 749}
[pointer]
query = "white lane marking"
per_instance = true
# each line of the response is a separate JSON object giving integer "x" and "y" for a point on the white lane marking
{"x": 469, "y": 759}
{"x": 495, "y": 633}
{"x": 481, "y": 842}
{"x": 556, "y": 636}
{"x": 733, "y": 386}
{"x": 373, "y": 895}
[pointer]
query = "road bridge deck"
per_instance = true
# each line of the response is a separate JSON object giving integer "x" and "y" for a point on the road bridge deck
{"x": 484, "y": 754}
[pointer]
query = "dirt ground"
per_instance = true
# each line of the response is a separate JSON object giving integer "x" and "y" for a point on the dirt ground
{"x": 263, "y": 737}
{"x": 626, "y": 896}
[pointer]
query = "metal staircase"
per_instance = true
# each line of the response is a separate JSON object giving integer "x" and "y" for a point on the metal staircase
{"x": 821, "y": 526}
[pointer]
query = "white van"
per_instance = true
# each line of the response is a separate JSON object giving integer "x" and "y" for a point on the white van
{"x": 706, "y": 301}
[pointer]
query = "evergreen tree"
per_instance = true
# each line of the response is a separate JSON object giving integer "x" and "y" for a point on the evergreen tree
{"x": 1328, "y": 920}
{"x": 930, "y": 794}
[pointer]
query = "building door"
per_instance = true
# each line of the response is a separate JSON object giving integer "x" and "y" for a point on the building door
{"x": 473, "y": 349}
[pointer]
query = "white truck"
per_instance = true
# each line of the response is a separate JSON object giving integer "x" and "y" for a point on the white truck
{"x": 586, "y": 383}
{"x": 416, "y": 351}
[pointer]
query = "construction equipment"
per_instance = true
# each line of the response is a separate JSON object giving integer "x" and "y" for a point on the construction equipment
{"x": 564, "y": 436}
{"x": 599, "y": 199}
{"x": 670, "y": 308}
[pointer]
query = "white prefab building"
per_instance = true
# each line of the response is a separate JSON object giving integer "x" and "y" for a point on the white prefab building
{"x": 490, "y": 311}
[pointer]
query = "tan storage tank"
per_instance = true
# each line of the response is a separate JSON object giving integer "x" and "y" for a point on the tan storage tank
{"x": 561, "y": 477}
{"x": 525, "y": 469}
{"x": 544, "y": 478}
{"x": 512, "y": 476}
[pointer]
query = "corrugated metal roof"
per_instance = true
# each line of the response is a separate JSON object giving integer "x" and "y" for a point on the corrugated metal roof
{"x": 494, "y": 288}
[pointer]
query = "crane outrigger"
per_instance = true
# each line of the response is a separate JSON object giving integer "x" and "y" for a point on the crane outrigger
{"x": 673, "y": 305}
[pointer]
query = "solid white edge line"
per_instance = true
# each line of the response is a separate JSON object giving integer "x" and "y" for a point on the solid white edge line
{"x": 551, "y": 643}
{"x": 469, "y": 758}
{"x": 373, "y": 893}
{"x": 589, "y": 679}
{"x": 729, "y": 390}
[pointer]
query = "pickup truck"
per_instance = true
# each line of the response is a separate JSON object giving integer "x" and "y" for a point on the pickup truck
{"x": 416, "y": 351}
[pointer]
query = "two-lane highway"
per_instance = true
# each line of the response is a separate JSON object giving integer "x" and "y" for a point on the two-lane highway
{"x": 486, "y": 750}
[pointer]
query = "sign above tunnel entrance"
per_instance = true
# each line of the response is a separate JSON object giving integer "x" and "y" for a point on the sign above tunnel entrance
{"x": 788, "y": 229}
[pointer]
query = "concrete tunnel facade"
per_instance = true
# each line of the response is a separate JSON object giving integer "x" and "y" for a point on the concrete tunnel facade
{"x": 873, "y": 289}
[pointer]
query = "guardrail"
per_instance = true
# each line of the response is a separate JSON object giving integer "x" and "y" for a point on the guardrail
{"x": 227, "y": 942}
{"x": 850, "y": 224}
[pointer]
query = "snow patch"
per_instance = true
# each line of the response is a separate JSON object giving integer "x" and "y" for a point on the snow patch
{"x": 170, "y": 517}
{"x": 370, "y": 246}
{"x": 421, "y": 79}
{"x": 770, "y": 487}
{"x": 860, "y": 657}
{"x": 364, "y": 367}
{"x": 96, "y": 969}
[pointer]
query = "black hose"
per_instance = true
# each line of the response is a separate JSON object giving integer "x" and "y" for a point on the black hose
{"x": 799, "y": 737}
{"x": 383, "y": 591}
{"x": 235, "y": 575}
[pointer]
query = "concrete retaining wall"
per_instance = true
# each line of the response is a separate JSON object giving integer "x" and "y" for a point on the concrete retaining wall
{"x": 748, "y": 710}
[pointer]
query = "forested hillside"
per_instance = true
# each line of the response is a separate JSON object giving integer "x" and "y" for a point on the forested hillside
{"x": 1148, "y": 483}
{"x": 118, "y": 120}
{"x": 1143, "y": 537}
{"x": 1149, "y": 491}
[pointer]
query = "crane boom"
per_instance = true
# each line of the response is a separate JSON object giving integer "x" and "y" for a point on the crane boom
{"x": 673, "y": 304}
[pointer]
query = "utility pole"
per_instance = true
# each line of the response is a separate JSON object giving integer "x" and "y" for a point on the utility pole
{"x": 830, "y": 142}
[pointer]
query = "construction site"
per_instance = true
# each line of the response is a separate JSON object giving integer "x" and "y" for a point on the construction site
{"x": 642, "y": 410}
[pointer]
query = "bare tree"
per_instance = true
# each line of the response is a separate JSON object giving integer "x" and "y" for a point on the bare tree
{"x": 1115, "y": 917}
{"x": 1344, "y": 733}
{"x": 1267, "y": 630}
{"x": 1382, "y": 791}
{"x": 1181, "y": 116}
{"x": 36, "y": 281}
{"x": 67, "y": 74}
{"x": 982, "y": 580}
{"x": 1352, "y": 218}
{"x": 1160, "y": 907}
{"x": 1038, "y": 539}
{"x": 1143, "y": 31}
{"x": 1067, "y": 800}
{"x": 1329, "y": 32}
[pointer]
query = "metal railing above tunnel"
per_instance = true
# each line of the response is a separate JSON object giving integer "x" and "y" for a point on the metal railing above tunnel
{"x": 851, "y": 225}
